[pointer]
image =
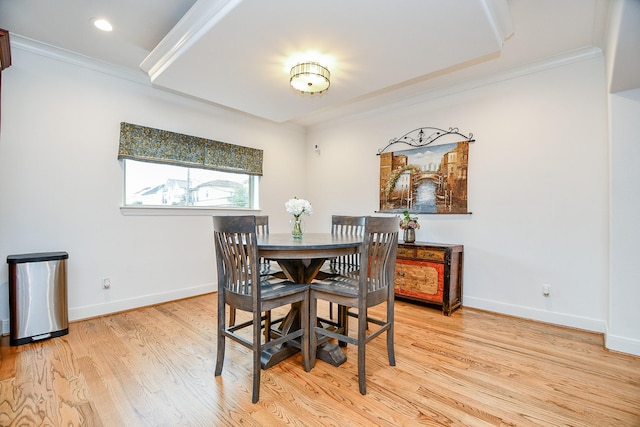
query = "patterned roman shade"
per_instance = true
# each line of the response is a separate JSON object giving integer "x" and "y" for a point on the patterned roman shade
{"x": 161, "y": 146}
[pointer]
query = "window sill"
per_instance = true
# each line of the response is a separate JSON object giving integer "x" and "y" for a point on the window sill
{"x": 181, "y": 211}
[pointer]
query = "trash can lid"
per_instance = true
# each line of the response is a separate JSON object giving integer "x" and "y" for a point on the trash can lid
{"x": 36, "y": 257}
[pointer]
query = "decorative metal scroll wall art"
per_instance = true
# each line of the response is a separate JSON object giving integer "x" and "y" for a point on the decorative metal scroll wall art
{"x": 425, "y": 179}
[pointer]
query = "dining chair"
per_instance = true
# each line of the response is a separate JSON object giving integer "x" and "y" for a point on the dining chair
{"x": 373, "y": 286}
{"x": 262, "y": 228}
{"x": 262, "y": 225}
{"x": 343, "y": 225}
{"x": 241, "y": 287}
{"x": 267, "y": 267}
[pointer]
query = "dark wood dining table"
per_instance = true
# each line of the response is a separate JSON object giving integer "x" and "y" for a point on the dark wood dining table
{"x": 301, "y": 260}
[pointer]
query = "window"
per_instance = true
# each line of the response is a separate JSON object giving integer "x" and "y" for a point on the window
{"x": 163, "y": 168}
{"x": 153, "y": 184}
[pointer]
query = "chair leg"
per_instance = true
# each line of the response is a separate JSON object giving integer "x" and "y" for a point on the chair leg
{"x": 221, "y": 337}
{"x": 306, "y": 324}
{"x": 313, "y": 336}
{"x": 362, "y": 354}
{"x": 257, "y": 353}
{"x": 343, "y": 323}
{"x": 362, "y": 378}
{"x": 390, "y": 333}
{"x": 232, "y": 316}
{"x": 220, "y": 355}
{"x": 390, "y": 350}
{"x": 267, "y": 326}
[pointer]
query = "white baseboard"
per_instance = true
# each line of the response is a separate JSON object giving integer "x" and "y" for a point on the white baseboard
{"x": 5, "y": 326}
{"x": 88, "y": 311}
{"x": 585, "y": 323}
{"x": 622, "y": 344}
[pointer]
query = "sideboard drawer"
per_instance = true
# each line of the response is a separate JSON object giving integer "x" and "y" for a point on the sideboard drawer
{"x": 405, "y": 252}
{"x": 430, "y": 254}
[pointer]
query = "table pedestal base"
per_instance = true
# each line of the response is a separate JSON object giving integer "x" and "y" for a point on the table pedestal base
{"x": 327, "y": 352}
{"x": 275, "y": 355}
{"x": 331, "y": 354}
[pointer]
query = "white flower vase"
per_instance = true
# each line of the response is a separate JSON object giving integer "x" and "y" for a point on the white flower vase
{"x": 297, "y": 227}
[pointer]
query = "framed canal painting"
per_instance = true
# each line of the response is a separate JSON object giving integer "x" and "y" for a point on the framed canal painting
{"x": 426, "y": 178}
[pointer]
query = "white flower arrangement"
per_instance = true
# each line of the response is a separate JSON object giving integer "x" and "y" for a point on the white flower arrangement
{"x": 297, "y": 207}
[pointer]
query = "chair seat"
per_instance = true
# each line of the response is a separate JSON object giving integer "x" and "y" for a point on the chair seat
{"x": 340, "y": 285}
{"x": 333, "y": 269}
{"x": 270, "y": 290}
{"x": 271, "y": 269}
{"x": 338, "y": 270}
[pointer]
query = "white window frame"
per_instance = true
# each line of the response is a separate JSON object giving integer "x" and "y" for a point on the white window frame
{"x": 131, "y": 209}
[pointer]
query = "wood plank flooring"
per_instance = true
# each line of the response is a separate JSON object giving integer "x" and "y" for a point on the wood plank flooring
{"x": 154, "y": 367}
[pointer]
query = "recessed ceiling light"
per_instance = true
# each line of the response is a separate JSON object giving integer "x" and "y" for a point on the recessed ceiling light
{"x": 102, "y": 24}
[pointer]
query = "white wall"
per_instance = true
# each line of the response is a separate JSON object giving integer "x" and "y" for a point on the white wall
{"x": 537, "y": 188}
{"x": 61, "y": 183}
{"x": 624, "y": 316}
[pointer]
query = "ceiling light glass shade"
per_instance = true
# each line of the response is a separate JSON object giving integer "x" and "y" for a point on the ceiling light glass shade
{"x": 102, "y": 24}
{"x": 310, "y": 77}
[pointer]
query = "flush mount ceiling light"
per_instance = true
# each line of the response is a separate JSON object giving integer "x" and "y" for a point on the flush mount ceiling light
{"x": 102, "y": 24}
{"x": 309, "y": 77}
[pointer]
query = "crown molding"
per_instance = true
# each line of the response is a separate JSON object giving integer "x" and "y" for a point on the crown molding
{"x": 197, "y": 22}
{"x": 63, "y": 55}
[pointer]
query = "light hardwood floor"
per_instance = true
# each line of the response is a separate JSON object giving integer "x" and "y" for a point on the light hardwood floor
{"x": 154, "y": 367}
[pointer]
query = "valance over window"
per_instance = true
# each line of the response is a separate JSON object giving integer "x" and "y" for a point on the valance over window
{"x": 161, "y": 146}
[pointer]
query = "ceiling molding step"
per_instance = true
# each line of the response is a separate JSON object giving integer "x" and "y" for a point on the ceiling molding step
{"x": 533, "y": 68}
{"x": 623, "y": 55}
{"x": 498, "y": 14}
{"x": 202, "y": 16}
{"x": 357, "y": 111}
{"x": 62, "y": 55}
{"x": 561, "y": 60}
{"x": 600, "y": 28}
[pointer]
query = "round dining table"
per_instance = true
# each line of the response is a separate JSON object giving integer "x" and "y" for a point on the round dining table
{"x": 301, "y": 260}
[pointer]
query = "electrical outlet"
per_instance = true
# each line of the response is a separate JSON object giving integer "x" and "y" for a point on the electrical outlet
{"x": 546, "y": 290}
{"x": 106, "y": 283}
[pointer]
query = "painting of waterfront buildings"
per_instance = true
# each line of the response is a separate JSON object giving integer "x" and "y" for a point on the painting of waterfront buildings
{"x": 431, "y": 179}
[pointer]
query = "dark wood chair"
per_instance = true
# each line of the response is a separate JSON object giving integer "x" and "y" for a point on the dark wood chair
{"x": 266, "y": 267}
{"x": 241, "y": 287}
{"x": 262, "y": 225}
{"x": 373, "y": 286}
{"x": 343, "y": 225}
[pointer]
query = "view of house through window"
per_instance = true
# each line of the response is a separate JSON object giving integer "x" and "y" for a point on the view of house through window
{"x": 153, "y": 184}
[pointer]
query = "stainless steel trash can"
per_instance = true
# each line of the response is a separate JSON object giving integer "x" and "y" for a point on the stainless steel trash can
{"x": 37, "y": 296}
